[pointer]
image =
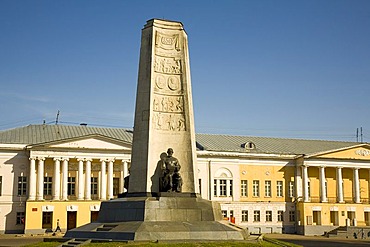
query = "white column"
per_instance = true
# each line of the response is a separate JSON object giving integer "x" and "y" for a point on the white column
{"x": 56, "y": 180}
{"x": 210, "y": 181}
{"x": 305, "y": 183}
{"x": 228, "y": 188}
{"x": 356, "y": 185}
{"x": 81, "y": 181}
{"x": 324, "y": 197}
{"x": 40, "y": 180}
{"x": 65, "y": 180}
{"x": 110, "y": 179}
{"x": 340, "y": 185}
{"x": 88, "y": 180}
{"x": 103, "y": 181}
{"x": 218, "y": 187}
{"x": 32, "y": 191}
{"x": 124, "y": 173}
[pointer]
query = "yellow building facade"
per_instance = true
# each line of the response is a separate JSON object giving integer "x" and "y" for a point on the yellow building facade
{"x": 56, "y": 177}
{"x": 335, "y": 190}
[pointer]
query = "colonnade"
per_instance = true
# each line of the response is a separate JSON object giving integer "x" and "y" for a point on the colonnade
{"x": 339, "y": 185}
{"x": 60, "y": 178}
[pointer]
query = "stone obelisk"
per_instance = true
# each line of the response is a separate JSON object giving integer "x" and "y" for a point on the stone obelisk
{"x": 164, "y": 109}
{"x": 163, "y": 120}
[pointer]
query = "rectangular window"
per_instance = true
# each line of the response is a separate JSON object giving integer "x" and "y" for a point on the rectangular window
{"x": 244, "y": 188}
{"x": 1, "y": 185}
{"x": 279, "y": 189}
{"x": 20, "y": 218}
{"x": 268, "y": 188}
{"x": 224, "y": 213}
{"x": 245, "y": 215}
{"x": 22, "y": 186}
{"x": 200, "y": 186}
{"x": 71, "y": 186}
{"x": 215, "y": 187}
{"x": 115, "y": 186}
{"x": 280, "y": 215}
{"x": 268, "y": 216}
{"x": 231, "y": 187}
{"x": 256, "y": 216}
{"x": 256, "y": 188}
{"x": 291, "y": 216}
{"x": 48, "y": 184}
{"x": 309, "y": 188}
{"x": 94, "y": 187}
{"x": 291, "y": 189}
{"x": 222, "y": 187}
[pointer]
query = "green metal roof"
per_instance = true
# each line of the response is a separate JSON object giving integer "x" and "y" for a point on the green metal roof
{"x": 37, "y": 134}
{"x": 267, "y": 144}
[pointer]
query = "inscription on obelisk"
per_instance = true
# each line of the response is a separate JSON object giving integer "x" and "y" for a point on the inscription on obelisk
{"x": 164, "y": 111}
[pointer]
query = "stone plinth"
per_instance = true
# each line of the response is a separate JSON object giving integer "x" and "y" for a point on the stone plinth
{"x": 164, "y": 120}
{"x": 163, "y": 218}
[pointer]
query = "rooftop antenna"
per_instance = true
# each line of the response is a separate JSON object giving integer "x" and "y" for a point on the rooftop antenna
{"x": 57, "y": 118}
{"x": 362, "y": 136}
{"x": 357, "y": 135}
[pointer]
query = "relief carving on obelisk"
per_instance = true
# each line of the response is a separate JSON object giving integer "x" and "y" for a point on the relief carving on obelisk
{"x": 168, "y": 98}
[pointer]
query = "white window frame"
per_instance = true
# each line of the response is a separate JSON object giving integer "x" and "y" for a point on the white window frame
{"x": 268, "y": 216}
{"x": 256, "y": 188}
{"x": 244, "y": 215}
{"x": 257, "y": 216}
{"x": 223, "y": 183}
{"x": 280, "y": 215}
{"x": 279, "y": 188}
{"x": 244, "y": 188}
{"x": 268, "y": 192}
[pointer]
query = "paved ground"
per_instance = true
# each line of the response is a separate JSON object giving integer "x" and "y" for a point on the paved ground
{"x": 306, "y": 241}
{"x": 319, "y": 241}
{"x": 21, "y": 240}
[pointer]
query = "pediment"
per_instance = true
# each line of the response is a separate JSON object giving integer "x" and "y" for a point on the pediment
{"x": 361, "y": 152}
{"x": 91, "y": 143}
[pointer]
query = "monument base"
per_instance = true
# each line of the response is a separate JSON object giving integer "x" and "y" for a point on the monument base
{"x": 164, "y": 218}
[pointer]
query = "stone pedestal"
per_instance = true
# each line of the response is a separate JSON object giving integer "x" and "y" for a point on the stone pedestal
{"x": 164, "y": 218}
{"x": 164, "y": 120}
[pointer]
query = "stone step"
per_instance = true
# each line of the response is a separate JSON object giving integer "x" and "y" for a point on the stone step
{"x": 75, "y": 242}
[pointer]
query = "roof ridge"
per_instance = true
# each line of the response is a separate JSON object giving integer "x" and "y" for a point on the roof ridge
{"x": 277, "y": 138}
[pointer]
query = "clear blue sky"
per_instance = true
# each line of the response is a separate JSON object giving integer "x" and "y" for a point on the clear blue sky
{"x": 296, "y": 69}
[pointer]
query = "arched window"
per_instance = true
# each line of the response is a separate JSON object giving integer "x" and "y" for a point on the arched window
{"x": 223, "y": 183}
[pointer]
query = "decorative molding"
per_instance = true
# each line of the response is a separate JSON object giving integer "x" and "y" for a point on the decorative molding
{"x": 362, "y": 152}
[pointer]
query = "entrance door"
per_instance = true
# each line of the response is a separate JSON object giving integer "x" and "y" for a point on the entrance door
{"x": 367, "y": 218}
{"x": 316, "y": 217}
{"x": 94, "y": 216}
{"x": 71, "y": 220}
{"x": 47, "y": 221}
{"x": 351, "y": 215}
{"x": 334, "y": 218}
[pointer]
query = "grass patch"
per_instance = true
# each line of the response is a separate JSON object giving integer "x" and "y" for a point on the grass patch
{"x": 192, "y": 244}
{"x": 200, "y": 244}
{"x": 44, "y": 244}
{"x": 279, "y": 242}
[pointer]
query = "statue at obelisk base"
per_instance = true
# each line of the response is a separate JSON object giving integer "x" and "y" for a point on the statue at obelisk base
{"x": 171, "y": 180}
{"x": 160, "y": 203}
